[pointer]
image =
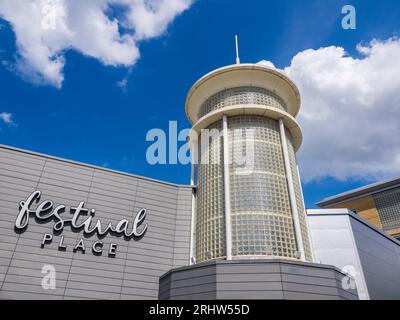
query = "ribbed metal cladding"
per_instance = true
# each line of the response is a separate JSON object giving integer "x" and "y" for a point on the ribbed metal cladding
{"x": 261, "y": 215}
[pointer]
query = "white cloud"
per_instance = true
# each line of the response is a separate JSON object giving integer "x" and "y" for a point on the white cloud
{"x": 6, "y": 117}
{"x": 350, "y": 113}
{"x": 45, "y": 29}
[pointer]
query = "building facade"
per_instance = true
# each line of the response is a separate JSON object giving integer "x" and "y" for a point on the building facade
{"x": 74, "y": 231}
{"x": 342, "y": 238}
{"x": 378, "y": 203}
{"x": 86, "y": 265}
{"x": 249, "y": 233}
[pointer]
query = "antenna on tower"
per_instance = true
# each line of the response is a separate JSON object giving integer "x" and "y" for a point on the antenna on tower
{"x": 237, "y": 49}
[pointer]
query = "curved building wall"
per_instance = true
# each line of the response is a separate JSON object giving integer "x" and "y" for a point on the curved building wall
{"x": 262, "y": 223}
{"x": 210, "y": 220}
{"x": 261, "y": 215}
{"x": 299, "y": 197}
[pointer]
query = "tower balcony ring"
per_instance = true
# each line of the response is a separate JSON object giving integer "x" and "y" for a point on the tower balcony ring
{"x": 249, "y": 109}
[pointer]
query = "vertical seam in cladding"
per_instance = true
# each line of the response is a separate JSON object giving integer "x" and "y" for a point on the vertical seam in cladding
{"x": 19, "y": 234}
{"x": 281, "y": 276}
{"x": 129, "y": 242}
{"x": 77, "y": 236}
{"x": 175, "y": 218}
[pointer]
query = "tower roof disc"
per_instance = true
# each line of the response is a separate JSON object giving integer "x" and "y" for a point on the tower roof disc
{"x": 242, "y": 75}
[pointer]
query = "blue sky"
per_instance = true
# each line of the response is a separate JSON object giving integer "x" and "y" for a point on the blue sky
{"x": 91, "y": 119}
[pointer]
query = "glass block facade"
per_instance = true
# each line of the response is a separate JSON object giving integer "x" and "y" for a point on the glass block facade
{"x": 261, "y": 215}
{"x": 388, "y": 207}
{"x": 210, "y": 218}
{"x": 241, "y": 95}
{"x": 299, "y": 197}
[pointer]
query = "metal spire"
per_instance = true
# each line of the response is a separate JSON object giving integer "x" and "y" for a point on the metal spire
{"x": 237, "y": 49}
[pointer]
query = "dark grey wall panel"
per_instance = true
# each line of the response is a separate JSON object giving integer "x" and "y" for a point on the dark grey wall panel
{"x": 380, "y": 260}
{"x": 135, "y": 270}
{"x": 254, "y": 279}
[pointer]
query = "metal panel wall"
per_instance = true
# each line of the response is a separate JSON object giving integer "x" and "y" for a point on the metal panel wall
{"x": 380, "y": 260}
{"x": 255, "y": 279}
{"x": 333, "y": 243}
{"x": 134, "y": 271}
{"x": 345, "y": 240}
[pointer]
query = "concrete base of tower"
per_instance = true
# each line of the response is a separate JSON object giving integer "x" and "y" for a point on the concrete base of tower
{"x": 256, "y": 279}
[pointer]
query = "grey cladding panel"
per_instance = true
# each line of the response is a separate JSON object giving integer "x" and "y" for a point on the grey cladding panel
{"x": 254, "y": 279}
{"x": 138, "y": 264}
{"x": 380, "y": 260}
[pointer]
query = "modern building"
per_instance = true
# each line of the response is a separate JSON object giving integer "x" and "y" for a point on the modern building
{"x": 249, "y": 235}
{"x": 75, "y": 231}
{"x": 378, "y": 203}
{"x": 342, "y": 238}
{"x": 86, "y": 264}
{"x": 251, "y": 108}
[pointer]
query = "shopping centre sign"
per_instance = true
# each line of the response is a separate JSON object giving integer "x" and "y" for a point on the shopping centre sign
{"x": 46, "y": 211}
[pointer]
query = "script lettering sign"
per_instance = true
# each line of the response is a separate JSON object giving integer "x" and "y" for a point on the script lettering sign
{"x": 46, "y": 211}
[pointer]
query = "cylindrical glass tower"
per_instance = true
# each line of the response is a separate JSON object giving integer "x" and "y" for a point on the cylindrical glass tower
{"x": 249, "y": 202}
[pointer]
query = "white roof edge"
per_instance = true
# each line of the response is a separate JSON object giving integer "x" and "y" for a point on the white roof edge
{"x": 339, "y": 211}
{"x": 360, "y": 192}
{"x": 344, "y": 211}
{"x": 244, "y": 66}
